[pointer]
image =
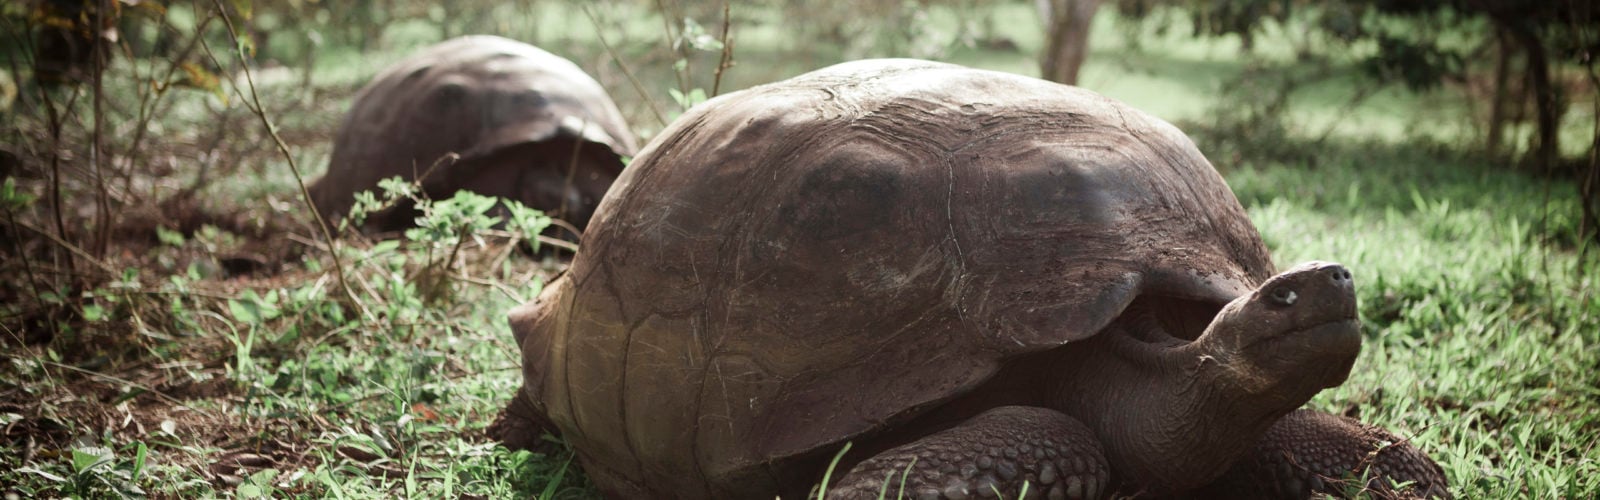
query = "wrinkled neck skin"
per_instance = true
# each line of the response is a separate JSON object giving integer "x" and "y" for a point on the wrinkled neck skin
{"x": 1170, "y": 416}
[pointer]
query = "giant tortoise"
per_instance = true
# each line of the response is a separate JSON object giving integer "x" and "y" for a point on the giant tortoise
{"x": 527, "y": 125}
{"x": 976, "y": 279}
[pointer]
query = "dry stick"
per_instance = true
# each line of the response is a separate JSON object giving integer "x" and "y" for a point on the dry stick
{"x": 498, "y": 286}
{"x": 600, "y": 34}
{"x": 727, "y": 48}
{"x": 27, "y": 267}
{"x": 102, "y": 202}
{"x": 564, "y": 225}
{"x": 55, "y": 172}
{"x": 255, "y": 107}
{"x": 572, "y": 170}
{"x": 70, "y": 248}
{"x": 543, "y": 240}
{"x": 152, "y": 390}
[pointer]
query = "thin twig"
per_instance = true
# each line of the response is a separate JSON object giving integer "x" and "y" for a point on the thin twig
{"x": 727, "y": 47}
{"x": 149, "y": 104}
{"x": 600, "y": 34}
{"x": 675, "y": 43}
{"x": 572, "y": 170}
{"x": 435, "y": 278}
{"x": 495, "y": 284}
{"x": 152, "y": 390}
{"x": 54, "y": 117}
{"x": 102, "y": 200}
{"x": 70, "y": 248}
{"x": 27, "y": 267}
{"x": 391, "y": 207}
{"x": 260, "y": 112}
{"x": 543, "y": 240}
{"x": 308, "y": 242}
{"x": 563, "y": 224}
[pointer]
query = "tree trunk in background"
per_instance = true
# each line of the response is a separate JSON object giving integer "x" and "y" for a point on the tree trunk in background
{"x": 1546, "y": 108}
{"x": 1067, "y": 37}
{"x": 1497, "y": 104}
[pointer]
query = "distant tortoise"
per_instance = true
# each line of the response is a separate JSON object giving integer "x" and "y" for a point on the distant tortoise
{"x": 978, "y": 279}
{"x": 528, "y": 125}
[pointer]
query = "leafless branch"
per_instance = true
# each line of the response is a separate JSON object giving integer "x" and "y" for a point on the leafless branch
{"x": 254, "y": 103}
{"x": 600, "y": 34}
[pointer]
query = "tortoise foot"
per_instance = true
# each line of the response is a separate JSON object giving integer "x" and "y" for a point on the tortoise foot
{"x": 519, "y": 427}
{"x": 1312, "y": 453}
{"x": 994, "y": 454}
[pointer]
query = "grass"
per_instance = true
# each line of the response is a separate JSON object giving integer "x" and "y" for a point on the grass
{"x": 1481, "y": 318}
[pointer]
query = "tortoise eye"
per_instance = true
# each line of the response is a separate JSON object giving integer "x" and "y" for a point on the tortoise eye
{"x": 1284, "y": 297}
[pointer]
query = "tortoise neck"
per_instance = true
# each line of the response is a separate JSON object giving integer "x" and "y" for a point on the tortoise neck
{"x": 1167, "y": 415}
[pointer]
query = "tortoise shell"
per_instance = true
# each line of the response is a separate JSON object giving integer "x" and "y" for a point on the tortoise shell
{"x": 527, "y": 125}
{"x": 800, "y": 264}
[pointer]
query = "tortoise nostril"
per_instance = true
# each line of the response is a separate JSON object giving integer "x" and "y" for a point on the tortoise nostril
{"x": 1339, "y": 274}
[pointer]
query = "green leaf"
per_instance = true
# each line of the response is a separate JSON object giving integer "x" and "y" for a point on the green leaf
{"x": 84, "y": 459}
{"x": 678, "y": 97}
{"x": 94, "y": 313}
{"x": 245, "y": 8}
{"x": 555, "y": 481}
{"x": 383, "y": 247}
{"x": 139, "y": 455}
{"x": 253, "y": 309}
{"x": 11, "y": 198}
{"x": 169, "y": 237}
{"x": 46, "y": 475}
{"x": 245, "y": 312}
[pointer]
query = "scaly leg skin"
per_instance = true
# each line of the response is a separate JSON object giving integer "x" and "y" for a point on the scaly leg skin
{"x": 1310, "y": 452}
{"x": 519, "y": 427}
{"x": 991, "y": 454}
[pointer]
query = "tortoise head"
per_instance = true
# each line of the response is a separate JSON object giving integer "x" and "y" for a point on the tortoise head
{"x": 1177, "y": 407}
{"x": 1294, "y": 335}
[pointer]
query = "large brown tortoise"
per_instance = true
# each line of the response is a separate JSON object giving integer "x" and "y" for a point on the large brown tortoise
{"x": 977, "y": 279}
{"x": 527, "y": 125}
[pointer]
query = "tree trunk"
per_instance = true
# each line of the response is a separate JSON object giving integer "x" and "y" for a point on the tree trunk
{"x": 1067, "y": 42}
{"x": 1546, "y": 109}
{"x": 1497, "y": 104}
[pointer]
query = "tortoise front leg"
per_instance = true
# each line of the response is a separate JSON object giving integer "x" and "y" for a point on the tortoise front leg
{"x": 521, "y": 427}
{"x": 1309, "y": 452}
{"x": 994, "y": 452}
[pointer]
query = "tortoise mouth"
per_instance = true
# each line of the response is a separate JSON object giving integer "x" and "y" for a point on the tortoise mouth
{"x": 1318, "y": 356}
{"x": 1332, "y": 337}
{"x": 1336, "y": 327}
